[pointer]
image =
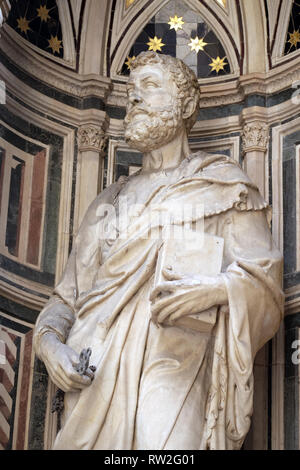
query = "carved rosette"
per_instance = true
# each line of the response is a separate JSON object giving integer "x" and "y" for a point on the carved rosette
{"x": 91, "y": 138}
{"x": 255, "y": 137}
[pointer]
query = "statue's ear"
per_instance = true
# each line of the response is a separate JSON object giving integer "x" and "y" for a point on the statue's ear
{"x": 189, "y": 106}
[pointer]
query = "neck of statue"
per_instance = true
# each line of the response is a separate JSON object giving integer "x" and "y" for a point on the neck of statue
{"x": 168, "y": 156}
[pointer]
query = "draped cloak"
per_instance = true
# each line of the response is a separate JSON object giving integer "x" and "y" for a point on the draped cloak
{"x": 168, "y": 387}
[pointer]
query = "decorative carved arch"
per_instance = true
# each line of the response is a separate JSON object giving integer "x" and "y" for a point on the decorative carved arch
{"x": 95, "y": 26}
{"x": 255, "y": 34}
{"x": 280, "y": 35}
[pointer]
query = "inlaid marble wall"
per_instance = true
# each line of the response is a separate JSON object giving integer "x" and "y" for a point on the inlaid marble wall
{"x": 30, "y": 169}
{"x": 23, "y": 387}
{"x": 30, "y": 185}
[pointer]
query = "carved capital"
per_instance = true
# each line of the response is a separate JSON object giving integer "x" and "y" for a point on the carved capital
{"x": 255, "y": 137}
{"x": 91, "y": 138}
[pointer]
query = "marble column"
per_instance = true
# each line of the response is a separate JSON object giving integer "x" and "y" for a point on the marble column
{"x": 255, "y": 136}
{"x": 91, "y": 145}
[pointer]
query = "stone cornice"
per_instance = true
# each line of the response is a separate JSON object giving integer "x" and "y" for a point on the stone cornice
{"x": 292, "y": 300}
{"x": 268, "y": 83}
{"x": 38, "y": 102}
{"x": 274, "y": 81}
{"x": 219, "y": 92}
{"x": 114, "y": 126}
{"x": 292, "y": 306}
{"x": 236, "y": 122}
{"x": 234, "y": 90}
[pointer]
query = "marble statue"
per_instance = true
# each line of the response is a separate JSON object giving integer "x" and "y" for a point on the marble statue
{"x": 173, "y": 323}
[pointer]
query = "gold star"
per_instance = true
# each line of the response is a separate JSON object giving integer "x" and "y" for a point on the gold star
{"x": 175, "y": 22}
{"x": 43, "y": 13}
{"x": 129, "y": 2}
{"x": 155, "y": 44}
{"x": 223, "y": 3}
{"x": 129, "y": 61}
{"x": 294, "y": 38}
{"x": 55, "y": 44}
{"x": 217, "y": 64}
{"x": 23, "y": 24}
{"x": 197, "y": 44}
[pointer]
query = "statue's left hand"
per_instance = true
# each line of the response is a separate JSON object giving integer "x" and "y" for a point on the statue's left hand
{"x": 185, "y": 295}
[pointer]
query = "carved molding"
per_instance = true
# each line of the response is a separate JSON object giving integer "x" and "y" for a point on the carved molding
{"x": 292, "y": 306}
{"x": 255, "y": 137}
{"x": 285, "y": 78}
{"x": 221, "y": 100}
{"x": 235, "y": 91}
{"x": 292, "y": 300}
{"x": 23, "y": 291}
{"x": 91, "y": 138}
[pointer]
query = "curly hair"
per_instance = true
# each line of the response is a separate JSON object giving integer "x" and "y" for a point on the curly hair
{"x": 185, "y": 79}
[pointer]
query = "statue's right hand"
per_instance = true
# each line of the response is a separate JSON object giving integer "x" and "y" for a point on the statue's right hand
{"x": 60, "y": 361}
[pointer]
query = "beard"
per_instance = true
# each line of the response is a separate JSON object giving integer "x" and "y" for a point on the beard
{"x": 147, "y": 129}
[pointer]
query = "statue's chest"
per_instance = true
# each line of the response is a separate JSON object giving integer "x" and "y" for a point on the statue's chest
{"x": 141, "y": 189}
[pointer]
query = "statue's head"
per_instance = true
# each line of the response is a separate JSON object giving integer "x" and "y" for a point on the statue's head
{"x": 163, "y": 99}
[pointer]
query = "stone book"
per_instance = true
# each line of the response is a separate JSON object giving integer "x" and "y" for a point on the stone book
{"x": 194, "y": 254}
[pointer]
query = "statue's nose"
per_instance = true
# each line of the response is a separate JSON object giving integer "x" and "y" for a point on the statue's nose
{"x": 134, "y": 98}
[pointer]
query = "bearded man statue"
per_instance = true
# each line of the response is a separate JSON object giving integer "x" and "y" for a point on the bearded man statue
{"x": 173, "y": 335}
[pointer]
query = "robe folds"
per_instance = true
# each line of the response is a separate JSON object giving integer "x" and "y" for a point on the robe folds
{"x": 166, "y": 387}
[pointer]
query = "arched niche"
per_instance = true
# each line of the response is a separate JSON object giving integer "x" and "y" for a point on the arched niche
{"x": 19, "y": 35}
{"x": 126, "y": 25}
